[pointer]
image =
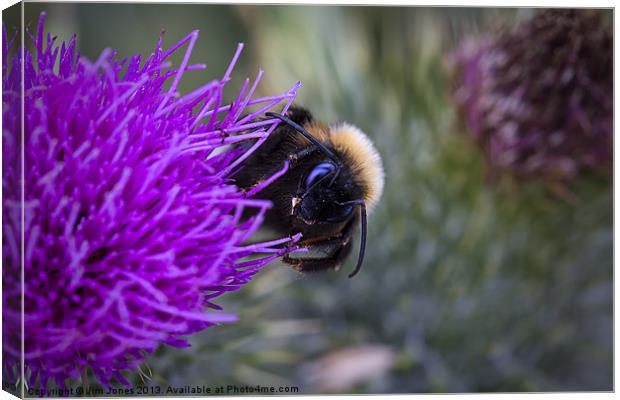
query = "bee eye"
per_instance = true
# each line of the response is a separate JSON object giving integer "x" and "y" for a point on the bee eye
{"x": 318, "y": 172}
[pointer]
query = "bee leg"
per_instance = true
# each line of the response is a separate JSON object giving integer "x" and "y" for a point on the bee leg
{"x": 343, "y": 244}
{"x": 335, "y": 261}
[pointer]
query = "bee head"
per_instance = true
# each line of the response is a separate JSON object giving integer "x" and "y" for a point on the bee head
{"x": 327, "y": 193}
{"x": 324, "y": 193}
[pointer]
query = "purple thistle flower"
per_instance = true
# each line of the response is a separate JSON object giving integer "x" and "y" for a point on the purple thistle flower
{"x": 538, "y": 99}
{"x": 132, "y": 222}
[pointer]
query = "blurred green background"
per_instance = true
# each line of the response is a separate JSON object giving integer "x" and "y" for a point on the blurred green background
{"x": 467, "y": 285}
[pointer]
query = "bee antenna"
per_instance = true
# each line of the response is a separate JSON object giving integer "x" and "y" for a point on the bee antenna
{"x": 360, "y": 258}
{"x": 304, "y": 132}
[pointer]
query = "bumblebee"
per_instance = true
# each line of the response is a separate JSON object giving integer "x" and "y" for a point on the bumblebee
{"x": 334, "y": 178}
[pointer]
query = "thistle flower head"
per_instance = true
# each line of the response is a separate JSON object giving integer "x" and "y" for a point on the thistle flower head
{"x": 538, "y": 99}
{"x": 132, "y": 223}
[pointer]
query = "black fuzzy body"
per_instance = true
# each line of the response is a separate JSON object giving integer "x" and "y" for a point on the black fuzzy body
{"x": 310, "y": 217}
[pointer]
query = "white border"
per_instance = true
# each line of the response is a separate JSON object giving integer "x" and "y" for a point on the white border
{"x": 470, "y": 3}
